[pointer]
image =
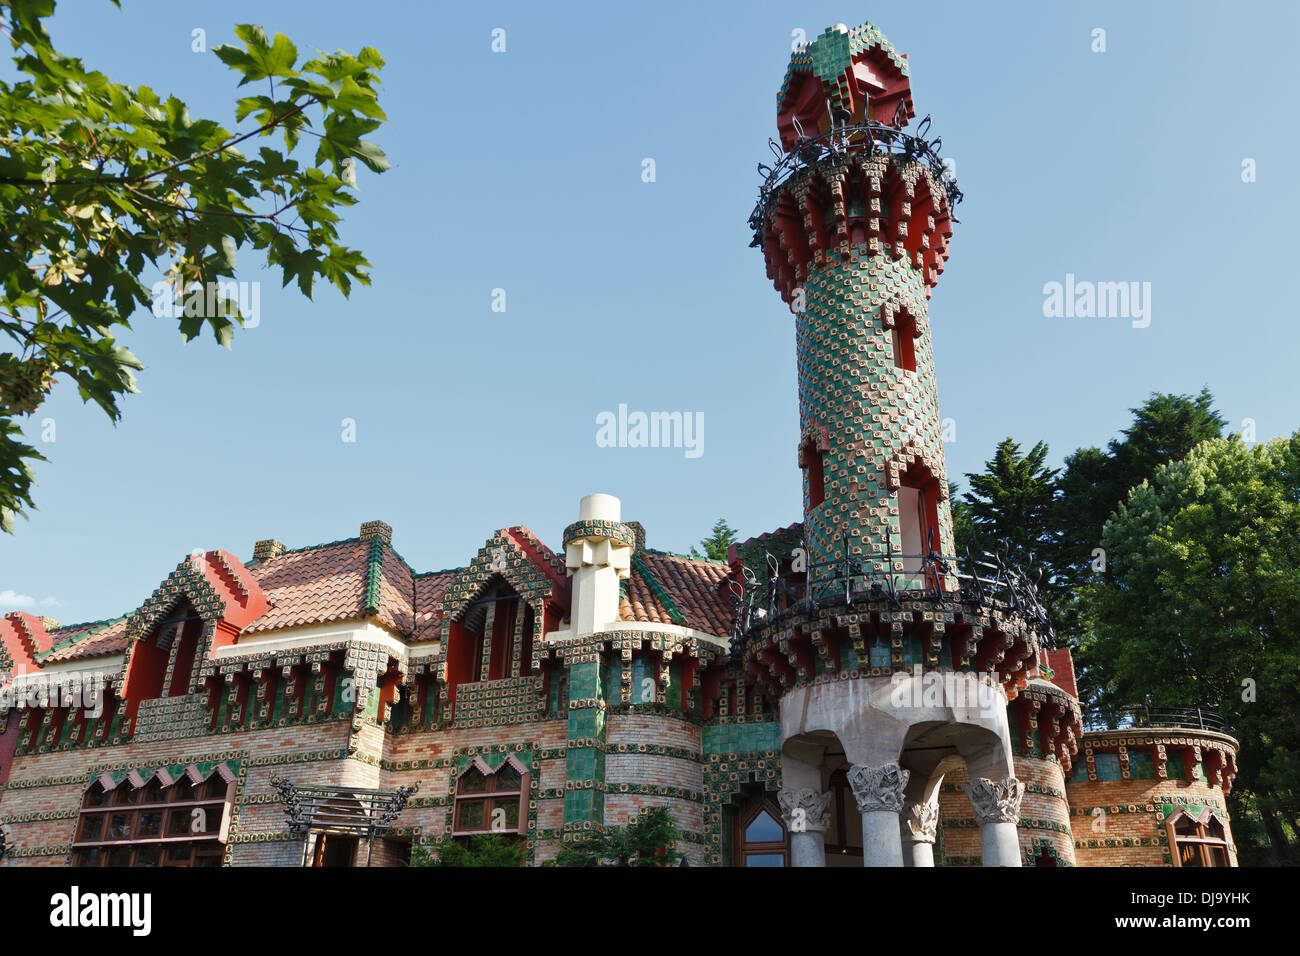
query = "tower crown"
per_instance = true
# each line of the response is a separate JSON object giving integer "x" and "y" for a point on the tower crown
{"x": 854, "y": 222}
{"x": 847, "y": 172}
{"x": 843, "y": 76}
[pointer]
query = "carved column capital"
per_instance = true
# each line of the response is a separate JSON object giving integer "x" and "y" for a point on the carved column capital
{"x": 878, "y": 788}
{"x": 995, "y": 801}
{"x": 806, "y": 810}
{"x": 921, "y": 822}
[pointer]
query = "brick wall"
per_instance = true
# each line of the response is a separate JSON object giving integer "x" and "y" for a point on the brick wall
{"x": 41, "y": 799}
{"x": 1131, "y": 829}
{"x": 1044, "y": 816}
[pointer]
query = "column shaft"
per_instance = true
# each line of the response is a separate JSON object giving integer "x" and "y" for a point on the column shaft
{"x": 879, "y": 794}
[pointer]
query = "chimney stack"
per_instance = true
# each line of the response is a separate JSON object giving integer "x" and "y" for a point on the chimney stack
{"x": 598, "y": 554}
{"x": 269, "y": 548}
{"x": 377, "y": 529}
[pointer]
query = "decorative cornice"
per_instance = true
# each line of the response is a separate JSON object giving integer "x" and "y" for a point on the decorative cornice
{"x": 614, "y": 530}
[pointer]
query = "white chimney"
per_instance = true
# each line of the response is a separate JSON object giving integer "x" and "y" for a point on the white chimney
{"x": 598, "y": 553}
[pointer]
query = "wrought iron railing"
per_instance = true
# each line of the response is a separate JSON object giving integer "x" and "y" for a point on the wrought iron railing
{"x": 987, "y": 579}
{"x": 1142, "y": 715}
{"x": 872, "y": 137}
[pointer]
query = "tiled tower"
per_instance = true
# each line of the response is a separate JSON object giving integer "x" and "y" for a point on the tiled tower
{"x": 854, "y": 227}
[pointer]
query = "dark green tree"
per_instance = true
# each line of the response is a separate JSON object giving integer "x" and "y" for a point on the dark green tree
{"x": 963, "y": 530}
{"x": 1165, "y": 428}
{"x": 488, "y": 849}
{"x": 1093, "y": 483}
{"x": 649, "y": 841}
{"x": 1011, "y": 501}
{"x": 716, "y": 544}
{"x": 1198, "y": 607}
{"x": 100, "y": 181}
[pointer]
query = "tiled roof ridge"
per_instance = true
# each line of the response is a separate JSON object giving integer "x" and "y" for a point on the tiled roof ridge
{"x": 684, "y": 557}
{"x": 311, "y": 547}
{"x": 72, "y": 641}
{"x": 353, "y": 540}
{"x": 430, "y": 574}
{"x": 659, "y": 591}
{"x": 374, "y": 576}
{"x": 409, "y": 567}
{"x": 91, "y": 623}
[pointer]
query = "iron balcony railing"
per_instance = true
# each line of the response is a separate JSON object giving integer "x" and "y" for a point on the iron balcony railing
{"x": 986, "y": 580}
{"x": 1142, "y": 715}
{"x": 872, "y": 137}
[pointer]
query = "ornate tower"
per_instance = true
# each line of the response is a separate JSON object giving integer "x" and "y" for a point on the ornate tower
{"x": 893, "y": 665}
{"x": 854, "y": 223}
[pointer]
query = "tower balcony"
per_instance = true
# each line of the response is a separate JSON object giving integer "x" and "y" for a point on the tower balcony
{"x": 846, "y": 618}
{"x": 1144, "y": 716}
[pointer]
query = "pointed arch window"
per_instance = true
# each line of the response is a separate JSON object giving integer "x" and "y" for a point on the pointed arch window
{"x": 760, "y": 838}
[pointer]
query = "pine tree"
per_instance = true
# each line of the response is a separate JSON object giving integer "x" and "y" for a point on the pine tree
{"x": 717, "y": 543}
{"x": 1010, "y": 502}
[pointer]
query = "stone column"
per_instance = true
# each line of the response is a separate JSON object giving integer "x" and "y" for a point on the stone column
{"x": 997, "y": 811}
{"x": 920, "y": 823}
{"x": 879, "y": 793}
{"x": 806, "y": 814}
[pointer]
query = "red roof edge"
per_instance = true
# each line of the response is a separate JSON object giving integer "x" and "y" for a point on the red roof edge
{"x": 244, "y": 598}
{"x": 24, "y": 636}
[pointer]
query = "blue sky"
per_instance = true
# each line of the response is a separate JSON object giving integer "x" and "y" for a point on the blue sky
{"x": 522, "y": 171}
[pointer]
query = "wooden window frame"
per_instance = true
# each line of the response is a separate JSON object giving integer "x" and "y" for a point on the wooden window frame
{"x": 217, "y": 797}
{"x": 748, "y": 813}
{"x": 1201, "y": 841}
{"x": 491, "y": 798}
{"x": 844, "y": 815}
